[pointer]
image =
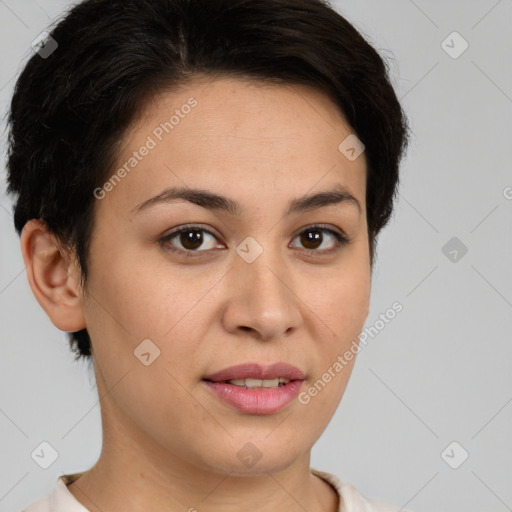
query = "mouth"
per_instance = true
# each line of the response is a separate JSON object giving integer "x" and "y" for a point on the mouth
{"x": 252, "y": 383}
{"x": 255, "y": 389}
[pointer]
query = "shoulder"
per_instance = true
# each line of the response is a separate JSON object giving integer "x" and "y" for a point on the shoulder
{"x": 360, "y": 503}
{"x": 59, "y": 499}
{"x": 381, "y": 506}
{"x": 41, "y": 505}
{"x": 350, "y": 498}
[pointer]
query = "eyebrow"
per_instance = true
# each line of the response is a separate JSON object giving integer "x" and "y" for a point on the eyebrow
{"x": 338, "y": 195}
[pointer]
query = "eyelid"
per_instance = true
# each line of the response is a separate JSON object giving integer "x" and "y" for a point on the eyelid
{"x": 185, "y": 227}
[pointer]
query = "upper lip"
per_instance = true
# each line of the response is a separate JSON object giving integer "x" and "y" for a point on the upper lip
{"x": 257, "y": 371}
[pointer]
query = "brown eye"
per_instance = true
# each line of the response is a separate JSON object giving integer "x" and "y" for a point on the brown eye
{"x": 188, "y": 240}
{"x": 313, "y": 238}
{"x": 191, "y": 238}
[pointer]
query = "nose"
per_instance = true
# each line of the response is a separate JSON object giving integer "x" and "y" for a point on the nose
{"x": 262, "y": 298}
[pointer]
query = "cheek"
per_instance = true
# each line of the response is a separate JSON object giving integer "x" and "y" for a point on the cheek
{"x": 342, "y": 310}
{"x": 136, "y": 297}
{"x": 342, "y": 306}
{"x": 341, "y": 300}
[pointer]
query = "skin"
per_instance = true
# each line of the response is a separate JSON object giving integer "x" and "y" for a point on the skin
{"x": 169, "y": 443}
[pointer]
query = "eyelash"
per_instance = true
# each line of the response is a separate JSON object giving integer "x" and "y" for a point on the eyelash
{"x": 341, "y": 240}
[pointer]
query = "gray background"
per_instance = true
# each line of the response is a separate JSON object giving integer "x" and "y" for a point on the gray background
{"x": 439, "y": 372}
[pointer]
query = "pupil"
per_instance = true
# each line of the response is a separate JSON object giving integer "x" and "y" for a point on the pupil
{"x": 191, "y": 242}
{"x": 312, "y": 239}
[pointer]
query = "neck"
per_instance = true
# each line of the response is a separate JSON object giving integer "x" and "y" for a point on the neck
{"x": 135, "y": 479}
{"x": 100, "y": 490}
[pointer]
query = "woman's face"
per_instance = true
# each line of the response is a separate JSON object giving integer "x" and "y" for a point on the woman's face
{"x": 258, "y": 285}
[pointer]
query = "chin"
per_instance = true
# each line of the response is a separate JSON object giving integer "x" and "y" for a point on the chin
{"x": 253, "y": 458}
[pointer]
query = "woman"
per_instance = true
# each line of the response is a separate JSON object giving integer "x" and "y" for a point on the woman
{"x": 199, "y": 187}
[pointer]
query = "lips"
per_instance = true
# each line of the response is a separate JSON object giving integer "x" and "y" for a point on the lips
{"x": 257, "y": 371}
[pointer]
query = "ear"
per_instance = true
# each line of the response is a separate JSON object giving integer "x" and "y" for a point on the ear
{"x": 53, "y": 276}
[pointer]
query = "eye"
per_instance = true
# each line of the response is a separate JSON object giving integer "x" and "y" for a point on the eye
{"x": 190, "y": 238}
{"x": 313, "y": 239}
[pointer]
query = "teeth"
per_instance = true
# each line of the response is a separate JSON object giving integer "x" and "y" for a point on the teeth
{"x": 259, "y": 383}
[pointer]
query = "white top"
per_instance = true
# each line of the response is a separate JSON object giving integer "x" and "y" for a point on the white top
{"x": 60, "y": 498}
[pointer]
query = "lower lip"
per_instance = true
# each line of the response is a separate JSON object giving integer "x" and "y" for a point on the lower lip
{"x": 256, "y": 400}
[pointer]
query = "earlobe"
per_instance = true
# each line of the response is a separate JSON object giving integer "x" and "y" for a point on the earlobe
{"x": 53, "y": 276}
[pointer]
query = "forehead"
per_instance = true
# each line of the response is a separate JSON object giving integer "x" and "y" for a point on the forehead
{"x": 240, "y": 137}
{"x": 241, "y": 106}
